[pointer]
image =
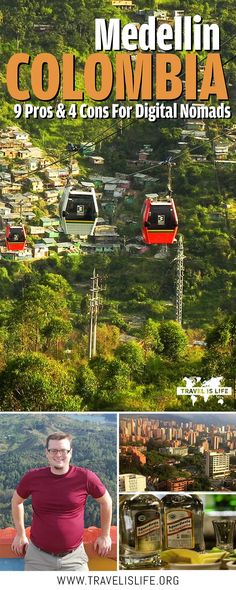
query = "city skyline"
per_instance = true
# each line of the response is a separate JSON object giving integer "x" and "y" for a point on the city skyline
{"x": 176, "y": 453}
{"x": 219, "y": 417}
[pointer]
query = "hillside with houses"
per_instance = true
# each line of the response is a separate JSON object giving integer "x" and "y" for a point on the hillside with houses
{"x": 60, "y": 285}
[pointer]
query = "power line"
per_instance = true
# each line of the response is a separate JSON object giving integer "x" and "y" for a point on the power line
{"x": 101, "y": 138}
{"x": 174, "y": 159}
{"x": 78, "y": 149}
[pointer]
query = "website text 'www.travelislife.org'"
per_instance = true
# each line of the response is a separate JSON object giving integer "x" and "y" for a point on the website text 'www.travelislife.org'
{"x": 124, "y": 580}
{"x": 118, "y": 580}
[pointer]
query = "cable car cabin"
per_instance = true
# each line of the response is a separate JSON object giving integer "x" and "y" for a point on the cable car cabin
{"x": 159, "y": 220}
{"x": 79, "y": 210}
{"x": 15, "y": 238}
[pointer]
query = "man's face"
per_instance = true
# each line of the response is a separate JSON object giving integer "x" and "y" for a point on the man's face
{"x": 59, "y": 454}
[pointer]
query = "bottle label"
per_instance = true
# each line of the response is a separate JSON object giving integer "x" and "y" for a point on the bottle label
{"x": 179, "y": 529}
{"x": 147, "y": 529}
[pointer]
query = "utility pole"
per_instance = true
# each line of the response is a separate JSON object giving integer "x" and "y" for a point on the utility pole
{"x": 169, "y": 185}
{"x": 179, "y": 281}
{"x": 94, "y": 303}
{"x": 21, "y": 203}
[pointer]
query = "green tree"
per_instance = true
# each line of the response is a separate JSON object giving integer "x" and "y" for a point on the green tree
{"x": 107, "y": 339}
{"x": 174, "y": 339}
{"x": 151, "y": 334}
{"x": 57, "y": 332}
{"x": 132, "y": 354}
{"x": 33, "y": 382}
{"x": 87, "y": 385}
{"x": 42, "y": 313}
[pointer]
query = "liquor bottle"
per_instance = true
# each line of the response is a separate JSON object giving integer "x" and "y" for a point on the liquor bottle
{"x": 140, "y": 531}
{"x": 183, "y": 522}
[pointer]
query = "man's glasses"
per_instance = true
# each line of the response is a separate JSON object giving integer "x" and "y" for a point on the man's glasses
{"x": 63, "y": 452}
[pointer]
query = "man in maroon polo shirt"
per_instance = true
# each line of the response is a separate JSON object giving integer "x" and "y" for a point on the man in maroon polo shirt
{"x": 59, "y": 495}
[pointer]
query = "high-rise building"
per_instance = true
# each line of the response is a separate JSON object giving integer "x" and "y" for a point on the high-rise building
{"x": 215, "y": 442}
{"x": 131, "y": 482}
{"x": 199, "y": 427}
{"x": 217, "y": 464}
{"x": 133, "y": 426}
{"x": 169, "y": 433}
{"x": 192, "y": 437}
{"x": 163, "y": 434}
{"x": 129, "y": 428}
{"x": 123, "y": 426}
{"x": 205, "y": 444}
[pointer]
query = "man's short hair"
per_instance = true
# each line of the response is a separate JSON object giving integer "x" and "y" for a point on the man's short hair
{"x": 58, "y": 436}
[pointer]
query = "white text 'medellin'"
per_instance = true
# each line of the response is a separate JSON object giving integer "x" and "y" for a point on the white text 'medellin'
{"x": 187, "y": 33}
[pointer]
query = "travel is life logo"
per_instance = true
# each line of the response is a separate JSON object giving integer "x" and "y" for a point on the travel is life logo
{"x": 195, "y": 388}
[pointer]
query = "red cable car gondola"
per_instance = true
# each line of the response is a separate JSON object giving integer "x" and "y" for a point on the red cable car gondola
{"x": 15, "y": 238}
{"x": 159, "y": 220}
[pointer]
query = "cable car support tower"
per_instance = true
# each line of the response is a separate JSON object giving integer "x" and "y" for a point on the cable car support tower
{"x": 94, "y": 304}
{"x": 179, "y": 281}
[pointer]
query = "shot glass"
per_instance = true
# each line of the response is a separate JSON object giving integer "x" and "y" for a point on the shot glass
{"x": 224, "y": 532}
